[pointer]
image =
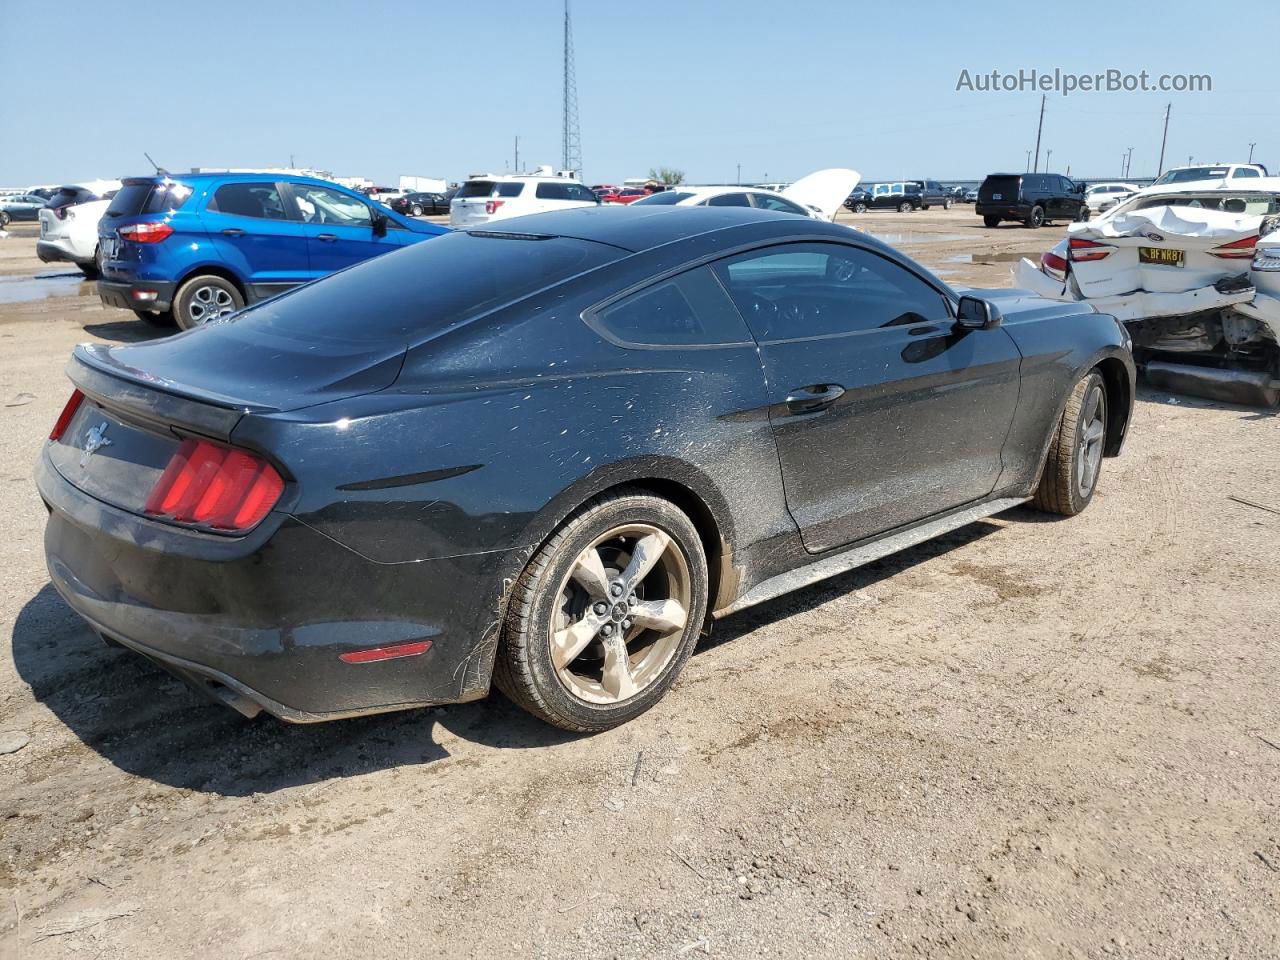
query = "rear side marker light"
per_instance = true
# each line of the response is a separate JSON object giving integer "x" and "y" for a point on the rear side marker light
{"x": 146, "y": 232}
{"x": 209, "y": 485}
{"x": 1236, "y": 250}
{"x": 64, "y": 418}
{"x": 1083, "y": 251}
{"x": 1054, "y": 266}
{"x": 394, "y": 652}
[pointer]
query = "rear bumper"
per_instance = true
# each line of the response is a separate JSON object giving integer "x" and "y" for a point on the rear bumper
{"x": 59, "y": 251}
{"x": 114, "y": 293}
{"x": 1005, "y": 211}
{"x": 260, "y": 623}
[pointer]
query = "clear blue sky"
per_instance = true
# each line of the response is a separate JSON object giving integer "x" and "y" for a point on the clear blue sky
{"x": 784, "y": 88}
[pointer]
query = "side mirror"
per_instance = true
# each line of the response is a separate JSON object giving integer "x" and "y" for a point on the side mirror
{"x": 975, "y": 314}
{"x": 379, "y": 224}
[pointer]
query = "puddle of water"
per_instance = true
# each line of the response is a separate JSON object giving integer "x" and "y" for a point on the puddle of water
{"x": 27, "y": 289}
{"x": 1007, "y": 256}
{"x": 912, "y": 238}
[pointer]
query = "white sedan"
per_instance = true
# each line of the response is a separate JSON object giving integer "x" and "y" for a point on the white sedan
{"x": 818, "y": 195}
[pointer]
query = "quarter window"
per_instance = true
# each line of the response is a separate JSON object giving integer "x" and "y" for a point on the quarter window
{"x": 258, "y": 200}
{"x": 687, "y": 310}
{"x": 771, "y": 201}
{"x": 806, "y": 290}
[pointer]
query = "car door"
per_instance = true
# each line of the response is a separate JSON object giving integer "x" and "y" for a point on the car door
{"x": 883, "y": 411}
{"x": 339, "y": 228}
{"x": 255, "y": 231}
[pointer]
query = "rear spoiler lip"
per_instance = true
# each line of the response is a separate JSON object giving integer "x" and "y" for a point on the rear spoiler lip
{"x": 156, "y": 401}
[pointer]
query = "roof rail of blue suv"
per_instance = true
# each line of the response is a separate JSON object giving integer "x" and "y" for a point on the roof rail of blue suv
{"x": 188, "y": 248}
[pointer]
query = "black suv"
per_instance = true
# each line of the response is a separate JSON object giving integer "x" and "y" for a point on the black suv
{"x": 1032, "y": 198}
{"x": 914, "y": 195}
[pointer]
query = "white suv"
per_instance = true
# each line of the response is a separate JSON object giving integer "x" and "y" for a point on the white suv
{"x": 484, "y": 199}
{"x": 69, "y": 224}
{"x": 1211, "y": 171}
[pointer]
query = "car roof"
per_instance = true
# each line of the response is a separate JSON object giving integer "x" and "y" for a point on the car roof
{"x": 191, "y": 178}
{"x": 636, "y": 229}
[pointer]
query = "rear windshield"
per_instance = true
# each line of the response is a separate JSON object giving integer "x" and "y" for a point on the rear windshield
{"x": 1190, "y": 174}
{"x": 67, "y": 196}
{"x": 433, "y": 284}
{"x": 662, "y": 199}
{"x": 1006, "y": 186}
{"x": 134, "y": 199}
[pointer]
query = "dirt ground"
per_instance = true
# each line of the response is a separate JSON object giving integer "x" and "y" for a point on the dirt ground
{"x": 1034, "y": 738}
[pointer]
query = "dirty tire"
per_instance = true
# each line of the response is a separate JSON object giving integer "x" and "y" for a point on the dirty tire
{"x": 1037, "y": 217}
{"x": 991, "y": 222}
{"x": 205, "y": 297}
{"x": 524, "y": 669}
{"x": 905, "y": 207}
{"x": 1060, "y": 489}
{"x": 162, "y": 319}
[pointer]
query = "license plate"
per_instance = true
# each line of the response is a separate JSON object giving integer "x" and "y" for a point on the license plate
{"x": 997, "y": 196}
{"x": 44, "y": 228}
{"x": 1162, "y": 256}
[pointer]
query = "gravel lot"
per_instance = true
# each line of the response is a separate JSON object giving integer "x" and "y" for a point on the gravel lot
{"x": 1034, "y": 738}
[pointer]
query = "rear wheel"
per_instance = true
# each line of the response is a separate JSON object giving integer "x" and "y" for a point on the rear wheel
{"x": 991, "y": 221}
{"x": 859, "y": 208}
{"x": 605, "y": 615}
{"x": 905, "y": 206}
{"x": 1071, "y": 471}
{"x": 1037, "y": 217}
{"x": 946, "y": 204}
{"x": 417, "y": 210}
{"x": 4, "y": 218}
{"x": 204, "y": 298}
{"x": 1083, "y": 215}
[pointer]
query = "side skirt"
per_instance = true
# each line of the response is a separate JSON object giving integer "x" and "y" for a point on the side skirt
{"x": 865, "y": 553}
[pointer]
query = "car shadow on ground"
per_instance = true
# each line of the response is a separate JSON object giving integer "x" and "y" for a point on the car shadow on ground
{"x": 127, "y": 331}
{"x": 148, "y": 724}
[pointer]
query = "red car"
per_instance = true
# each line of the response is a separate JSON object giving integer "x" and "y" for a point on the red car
{"x": 629, "y": 195}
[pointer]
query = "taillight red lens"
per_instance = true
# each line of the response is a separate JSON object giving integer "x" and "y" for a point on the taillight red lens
{"x": 209, "y": 485}
{"x": 1082, "y": 251}
{"x": 1236, "y": 250}
{"x": 146, "y": 232}
{"x": 64, "y": 418}
{"x": 492, "y": 206}
{"x": 1054, "y": 265}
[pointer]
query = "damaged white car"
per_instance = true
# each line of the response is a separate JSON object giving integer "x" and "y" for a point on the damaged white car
{"x": 1193, "y": 271}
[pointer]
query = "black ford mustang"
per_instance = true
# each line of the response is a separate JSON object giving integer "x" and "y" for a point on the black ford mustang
{"x": 546, "y": 453}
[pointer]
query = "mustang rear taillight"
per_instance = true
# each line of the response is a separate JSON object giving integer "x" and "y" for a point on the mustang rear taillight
{"x": 64, "y": 418}
{"x": 1082, "y": 251}
{"x": 146, "y": 232}
{"x": 1236, "y": 250}
{"x": 1054, "y": 266}
{"x": 491, "y": 206}
{"x": 207, "y": 484}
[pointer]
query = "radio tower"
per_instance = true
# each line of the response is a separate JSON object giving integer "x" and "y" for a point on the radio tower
{"x": 570, "y": 141}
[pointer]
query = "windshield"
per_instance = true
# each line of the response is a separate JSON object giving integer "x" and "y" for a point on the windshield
{"x": 424, "y": 288}
{"x": 1188, "y": 174}
{"x": 667, "y": 199}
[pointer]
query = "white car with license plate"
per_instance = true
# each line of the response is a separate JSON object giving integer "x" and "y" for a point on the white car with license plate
{"x": 485, "y": 199}
{"x": 1186, "y": 269}
{"x": 69, "y": 224}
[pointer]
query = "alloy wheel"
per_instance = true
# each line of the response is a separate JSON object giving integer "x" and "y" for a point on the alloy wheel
{"x": 623, "y": 607}
{"x": 209, "y": 303}
{"x": 1093, "y": 433}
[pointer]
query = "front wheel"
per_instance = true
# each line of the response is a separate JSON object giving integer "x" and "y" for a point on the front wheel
{"x": 1071, "y": 470}
{"x": 991, "y": 221}
{"x": 605, "y": 615}
{"x": 204, "y": 298}
{"x": 859, "y": 208}
{"x": 946, "y": 204}
{"x": 905, "y": 207}
{"x": 1083, "y": 215}
{"x": 4, "y": 219}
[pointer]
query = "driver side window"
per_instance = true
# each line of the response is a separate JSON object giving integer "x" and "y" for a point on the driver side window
{"x": 320, "y": 205}
{"x": 804, "y": 290}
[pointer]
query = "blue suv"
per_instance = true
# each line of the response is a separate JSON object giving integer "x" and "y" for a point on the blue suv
{"x": 192, "y": 247}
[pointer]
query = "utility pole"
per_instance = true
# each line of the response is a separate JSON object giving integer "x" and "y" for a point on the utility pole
{"x": 516, "y": 166}
{"x": 1039, "y": 130}
{"x": 1128, "y": 163}
{"x": 1164, "y": 139}
{"x": 571, "y": 142}
{"x": 1251, "y": 146}
{"x": 1047, "y": 157}
{"x": 739, "y": 181}
{"x": 1028, "y": 161}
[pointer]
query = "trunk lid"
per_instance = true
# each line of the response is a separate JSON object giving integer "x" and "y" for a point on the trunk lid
{"x": 824, "y": 190}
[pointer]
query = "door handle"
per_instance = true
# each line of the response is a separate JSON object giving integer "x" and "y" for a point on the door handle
{"x": 813, "y": 398}
{"x": 233, "y": 232}
{"x": 327, "y": 237}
